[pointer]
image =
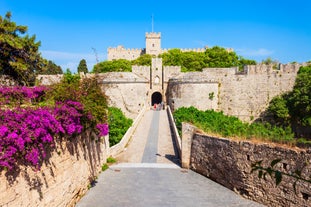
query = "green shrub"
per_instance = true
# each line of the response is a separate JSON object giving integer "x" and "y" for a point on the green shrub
{"x": 118, "y": 125}
{"x": 86, "y": 91}
{"x": 111, "y": 160}
{"x": 229, "y": 126}
{"x": 105, "y": 167}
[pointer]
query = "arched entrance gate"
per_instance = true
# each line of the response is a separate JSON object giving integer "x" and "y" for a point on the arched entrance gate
{"x": 156, "y": 98}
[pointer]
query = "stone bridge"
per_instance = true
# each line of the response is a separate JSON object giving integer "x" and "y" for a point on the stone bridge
{"x": 149, "y": 173}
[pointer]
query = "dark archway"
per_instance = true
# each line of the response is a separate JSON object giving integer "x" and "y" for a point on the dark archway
{"x": 156, "y": 98}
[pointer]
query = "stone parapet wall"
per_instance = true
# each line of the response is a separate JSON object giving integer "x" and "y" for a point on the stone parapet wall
{"x": 62, "y": 180}
{"x": 124, "y": 53}
{"x": 270, "y": 69}
{"x": 228, "y": 162}
{"x": 129, "y": 97}
{"x": 143, "y": 71}
{"x": 202, "y": 95}
{"x": 244, "y": 94}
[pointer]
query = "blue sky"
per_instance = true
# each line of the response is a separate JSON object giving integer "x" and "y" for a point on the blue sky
{"x": 73, "y": 30}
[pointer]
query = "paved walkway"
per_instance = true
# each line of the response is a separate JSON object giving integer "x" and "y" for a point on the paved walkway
{"x": 147, "y": 174}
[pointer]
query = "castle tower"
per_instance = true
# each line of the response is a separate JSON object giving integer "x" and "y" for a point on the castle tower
{"x": 153, "y": 43}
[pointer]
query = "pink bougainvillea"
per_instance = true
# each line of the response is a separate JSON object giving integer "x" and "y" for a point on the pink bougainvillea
{"x": 26, "y": 133}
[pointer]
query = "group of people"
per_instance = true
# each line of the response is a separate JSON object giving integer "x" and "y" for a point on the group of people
{"x": 159, "y": 106}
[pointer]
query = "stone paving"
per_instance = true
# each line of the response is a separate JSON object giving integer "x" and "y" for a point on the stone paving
{"x": 147, "y": 174}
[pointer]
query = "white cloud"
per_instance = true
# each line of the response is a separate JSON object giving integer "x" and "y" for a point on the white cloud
{"x": 254, "y": 53}
{"x": 71, "y": 60}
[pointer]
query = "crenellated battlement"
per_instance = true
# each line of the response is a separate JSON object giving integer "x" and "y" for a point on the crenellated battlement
{"x": 271, "y": 69}
{"x": 121, "y": 48}
{"x": 120, "y": 52}
{"x": 153, "y": 34}
{"x": 186, "y": 50}
{"x": 259, "y": 69}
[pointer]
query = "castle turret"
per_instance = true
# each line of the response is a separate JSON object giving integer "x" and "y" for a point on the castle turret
{"x": 153, "y": 43}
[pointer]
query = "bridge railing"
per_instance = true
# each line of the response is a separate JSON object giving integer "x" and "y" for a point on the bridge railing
{"x": 118, "y": 148}
{"x": 174, "y": 130}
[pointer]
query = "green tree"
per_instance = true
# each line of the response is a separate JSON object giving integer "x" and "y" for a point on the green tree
{"x": 120, "y": 65}
{"x": 278, "y": 108}
{"x": 243, "y": 62}
{"x": 300, "y": 98}
{"x": 172, "y": 57}
{"x": 50, "y": 68}
{"x": 143, "y": 60}
{"x": 294, "y": 108}
{"x": 82, "y": 67}
{"x": 193, "y": 61}
{"x": 220, "y": 57}
{"x": 196, "y": 61}
{"x": 19, "y": 54}
{"x": 118, "y": 125}
{"x": 267, "y": 61}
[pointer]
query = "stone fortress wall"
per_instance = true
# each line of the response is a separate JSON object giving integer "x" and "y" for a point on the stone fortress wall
{"x": 244, "y": 94}
{"x": 247, "y": 95}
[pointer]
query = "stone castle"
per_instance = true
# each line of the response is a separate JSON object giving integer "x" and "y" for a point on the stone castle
{"x": 153, "y": 47}
{"x": 244, "y": 94}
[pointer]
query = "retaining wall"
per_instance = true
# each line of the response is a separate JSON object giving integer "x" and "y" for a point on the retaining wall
{"x": 62, "y": 179}
{"x": 228, "y": 162}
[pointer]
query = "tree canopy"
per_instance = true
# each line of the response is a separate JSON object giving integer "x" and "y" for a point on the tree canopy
{"x": 19, "y": 54}
{"x": 143, "y": 60}
{"x": 50, "y": 68}
{"x": 211, "y": 58}
{"x": 120, "y": 65}
{"x": 189, "y": 61}
{"x": 82, "y": 67}
{"x": 299, "y": 100}
{"x": 294, "y": 107}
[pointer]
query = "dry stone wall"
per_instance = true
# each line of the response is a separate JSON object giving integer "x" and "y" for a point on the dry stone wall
{"x": 229, "y": 162}
{"x": 62, "y": 179}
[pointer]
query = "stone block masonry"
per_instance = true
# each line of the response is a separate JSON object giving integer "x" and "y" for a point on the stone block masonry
{"x": 62, "y": 180}
{"x": 228, "y": 162}
{"x": 245, "y": 94}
